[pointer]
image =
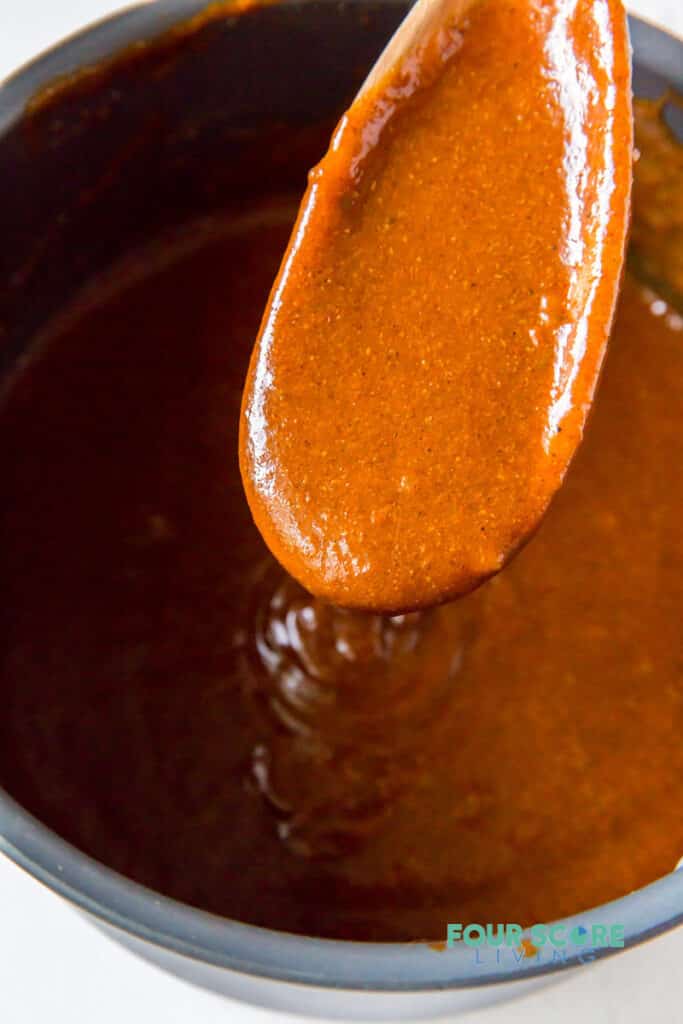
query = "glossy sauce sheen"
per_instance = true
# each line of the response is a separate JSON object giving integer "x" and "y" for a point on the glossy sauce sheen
{"x": 426, "y": 364}
{"x": 178, "y": 707}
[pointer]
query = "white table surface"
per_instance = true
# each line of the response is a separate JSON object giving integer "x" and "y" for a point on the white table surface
{"x": 55, "y": 967}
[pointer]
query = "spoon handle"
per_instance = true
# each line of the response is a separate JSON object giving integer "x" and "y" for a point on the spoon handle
{"x": 425, "y": 20}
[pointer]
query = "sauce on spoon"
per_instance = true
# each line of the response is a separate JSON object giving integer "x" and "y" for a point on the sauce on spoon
{"x": 433, "y": 340}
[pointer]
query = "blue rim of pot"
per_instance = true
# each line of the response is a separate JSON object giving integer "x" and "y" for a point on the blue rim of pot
{"x": 261, "y": 952}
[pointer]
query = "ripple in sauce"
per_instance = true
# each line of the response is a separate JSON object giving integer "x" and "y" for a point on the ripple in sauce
{"x": 179, "y": 708}
{"x": 431, "y": 346}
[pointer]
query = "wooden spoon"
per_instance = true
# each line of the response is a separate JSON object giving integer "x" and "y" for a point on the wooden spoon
{"x": 433, "y": 341}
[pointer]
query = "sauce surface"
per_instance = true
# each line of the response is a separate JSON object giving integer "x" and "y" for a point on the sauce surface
{"x": 429, "y": 354}
{"x": 181, "y": 709}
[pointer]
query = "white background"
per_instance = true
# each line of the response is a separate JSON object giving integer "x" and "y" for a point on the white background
{"x": 54, "y": 966}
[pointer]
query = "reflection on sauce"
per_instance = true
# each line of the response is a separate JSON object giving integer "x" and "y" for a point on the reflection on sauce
{"x": 347, "y": 700}
{"x": 178, "y": 707}
{"x": 430, "y": 351}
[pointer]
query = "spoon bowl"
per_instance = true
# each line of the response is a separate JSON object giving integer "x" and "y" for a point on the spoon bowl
{"x": 434, "y": 338}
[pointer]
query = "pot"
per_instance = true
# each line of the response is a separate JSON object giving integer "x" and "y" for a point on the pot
{"x": 93, "y": 163}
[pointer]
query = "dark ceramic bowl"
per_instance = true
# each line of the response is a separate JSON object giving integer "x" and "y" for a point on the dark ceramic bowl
{"x": 297, "y": 63}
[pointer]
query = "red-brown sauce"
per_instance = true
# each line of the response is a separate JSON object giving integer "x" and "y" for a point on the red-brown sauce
{"x": 179, "y": 708}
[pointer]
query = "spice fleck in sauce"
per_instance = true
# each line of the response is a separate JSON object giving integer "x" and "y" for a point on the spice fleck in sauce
{"x": 428, "y": 358}
{"x": 178, "y": 707}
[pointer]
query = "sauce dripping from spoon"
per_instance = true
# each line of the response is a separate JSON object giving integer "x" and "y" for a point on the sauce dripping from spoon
{"x": 433, "y": 340}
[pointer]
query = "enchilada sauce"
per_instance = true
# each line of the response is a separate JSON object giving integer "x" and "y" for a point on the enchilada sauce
{"x": 429, "y": 353}
{"x": 178, "y": 707}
